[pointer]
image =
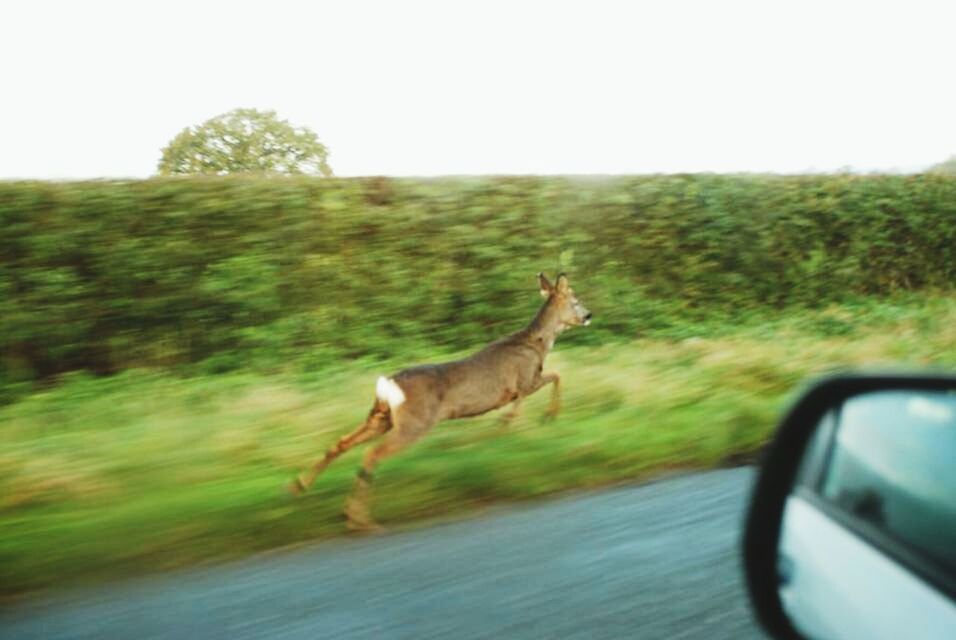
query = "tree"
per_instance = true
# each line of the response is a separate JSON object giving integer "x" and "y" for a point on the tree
{"x": 947, "y": 167}
{"x": 243, "y": 141}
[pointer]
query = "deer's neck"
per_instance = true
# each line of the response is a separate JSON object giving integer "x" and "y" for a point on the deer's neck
{"x": 544, "y": 329}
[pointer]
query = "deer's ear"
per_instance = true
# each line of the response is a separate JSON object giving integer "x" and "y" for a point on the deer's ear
{"x": 546, "y": 288}
{"x": 562, "y": 284}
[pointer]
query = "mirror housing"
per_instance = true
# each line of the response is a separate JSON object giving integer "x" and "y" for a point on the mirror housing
{"x": 781, "y": 461}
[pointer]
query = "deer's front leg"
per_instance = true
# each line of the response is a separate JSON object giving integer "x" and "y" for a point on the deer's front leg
{"x": 555, "y": 406}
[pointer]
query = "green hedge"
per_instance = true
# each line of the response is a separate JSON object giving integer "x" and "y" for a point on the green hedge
{"x": 115, "y": 274}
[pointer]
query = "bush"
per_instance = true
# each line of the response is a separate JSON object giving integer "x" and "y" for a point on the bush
{"x": 105, "y": 276}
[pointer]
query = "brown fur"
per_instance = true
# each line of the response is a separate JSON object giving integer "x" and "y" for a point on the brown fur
{"x": 506, "y": 371}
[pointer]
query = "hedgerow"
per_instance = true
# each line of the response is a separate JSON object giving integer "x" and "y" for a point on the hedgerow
{"x": 110, "y": 275}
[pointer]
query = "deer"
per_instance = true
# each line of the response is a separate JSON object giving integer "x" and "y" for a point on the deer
{"x": 410, "y": 403}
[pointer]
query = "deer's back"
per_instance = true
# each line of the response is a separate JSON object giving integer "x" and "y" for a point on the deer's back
{"x": 471, "y": 386}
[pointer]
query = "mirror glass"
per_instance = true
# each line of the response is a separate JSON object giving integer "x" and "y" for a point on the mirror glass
{"x": 868, "y": 543}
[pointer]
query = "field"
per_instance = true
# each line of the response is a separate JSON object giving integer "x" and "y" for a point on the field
{"x": 154, "y": 468}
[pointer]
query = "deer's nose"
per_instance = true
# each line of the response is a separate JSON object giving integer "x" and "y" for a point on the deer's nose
{"x": 587, "y": 317}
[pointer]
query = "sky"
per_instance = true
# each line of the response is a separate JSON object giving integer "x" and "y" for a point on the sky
{"x": 96, "y": 89}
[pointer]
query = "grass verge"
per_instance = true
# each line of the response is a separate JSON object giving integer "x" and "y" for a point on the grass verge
{"x": 108, "y": 477}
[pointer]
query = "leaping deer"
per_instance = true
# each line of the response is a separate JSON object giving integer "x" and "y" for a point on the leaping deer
{"x": 408, "y": 404}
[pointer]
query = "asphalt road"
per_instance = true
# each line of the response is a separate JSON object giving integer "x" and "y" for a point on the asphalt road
{"x": 653, "y": 561}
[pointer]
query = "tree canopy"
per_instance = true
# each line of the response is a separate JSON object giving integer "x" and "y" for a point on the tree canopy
{"x": 245, "y": 141}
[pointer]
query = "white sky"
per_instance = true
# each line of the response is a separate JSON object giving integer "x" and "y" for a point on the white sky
{"x": 95, "y": 89}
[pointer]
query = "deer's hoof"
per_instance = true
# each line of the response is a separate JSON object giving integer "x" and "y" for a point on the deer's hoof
{"x": 296, "y": 488}
{"x": 358, "y": 519}
{"x": 364, "y": 527}
{"x": 356, "y": 511}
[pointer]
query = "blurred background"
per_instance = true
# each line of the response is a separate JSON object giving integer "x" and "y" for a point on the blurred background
{"x": 219, "y": 223}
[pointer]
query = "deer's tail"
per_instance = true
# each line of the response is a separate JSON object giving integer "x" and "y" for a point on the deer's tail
{"x": 388, "y": 391}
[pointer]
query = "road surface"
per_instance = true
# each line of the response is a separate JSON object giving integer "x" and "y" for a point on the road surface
{"x": 653, "y": 561}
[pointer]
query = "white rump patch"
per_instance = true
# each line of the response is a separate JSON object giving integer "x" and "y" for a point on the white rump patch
{"x": 388, "y": 390}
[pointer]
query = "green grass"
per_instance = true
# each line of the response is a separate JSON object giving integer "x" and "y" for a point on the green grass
{"x": 106, "y": 477}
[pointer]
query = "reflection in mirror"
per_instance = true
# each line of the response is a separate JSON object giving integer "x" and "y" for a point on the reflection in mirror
{"x": 868, "y": 545}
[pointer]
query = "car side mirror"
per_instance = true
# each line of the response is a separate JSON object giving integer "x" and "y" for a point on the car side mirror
{"x": 851, "y": 528}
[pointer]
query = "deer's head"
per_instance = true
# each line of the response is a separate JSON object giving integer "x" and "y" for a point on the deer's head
{"x": 562, "y": 302}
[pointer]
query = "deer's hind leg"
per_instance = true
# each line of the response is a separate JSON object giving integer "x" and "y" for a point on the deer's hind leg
{"x": 378, "y": 422}
{"x": 513, "y": 411}
{"x": 405, "y": 432}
